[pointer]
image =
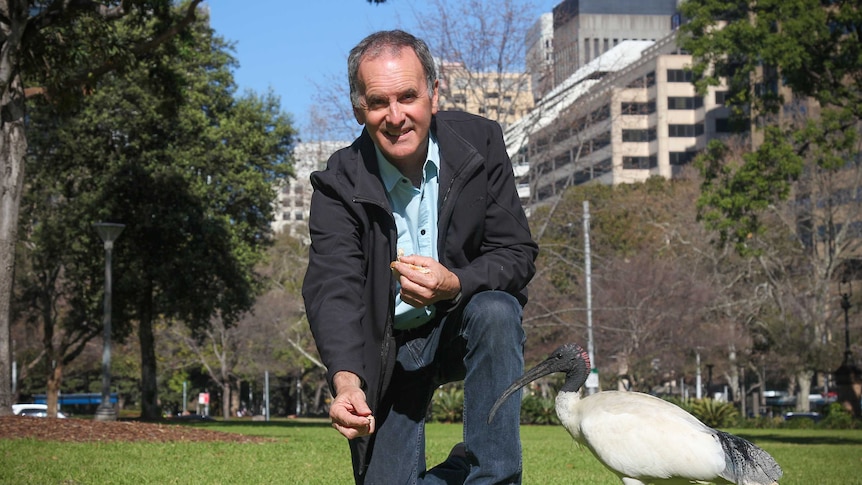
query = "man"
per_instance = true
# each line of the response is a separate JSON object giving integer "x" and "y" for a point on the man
{"x": 439, "y": 189}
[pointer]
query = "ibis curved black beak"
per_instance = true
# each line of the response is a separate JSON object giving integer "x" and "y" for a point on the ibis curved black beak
{"x": 542, "y": 369}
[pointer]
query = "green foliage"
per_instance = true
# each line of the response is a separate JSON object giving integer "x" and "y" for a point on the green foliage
{"x": 838, "y": 418}
{"x": 447, "y": 405}
{"x": 67, "y": 48}
{"x": 760, "y": 422}
{"x": 536, "y": 409}
{"x": 734, "y": 195}
{"x": 192, "y": 178}
{"x": 713, "y": 413}
{"x": 685, "y": 405}
{"x": 625, "y": 220}
{"x": 813, "y": 45}
{"x": 166, "y": 148}
{"x": 799, "y": 423}
{"x": 175, "y": 383}
{"x": 805, "y": 45}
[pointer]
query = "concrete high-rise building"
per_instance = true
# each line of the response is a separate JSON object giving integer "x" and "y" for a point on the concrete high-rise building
{"x": 540, "y": 55}
{"x": 585, "y": 29}
{"x": 293, "y": 203}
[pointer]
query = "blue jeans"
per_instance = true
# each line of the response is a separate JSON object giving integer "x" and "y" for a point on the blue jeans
{"x": 483, "y": 346}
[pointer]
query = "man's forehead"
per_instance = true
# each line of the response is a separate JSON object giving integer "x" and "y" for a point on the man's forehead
{"x": 391, "y": 51}
{"x": 403, "y": 54}
{"x": 384, "y": 79}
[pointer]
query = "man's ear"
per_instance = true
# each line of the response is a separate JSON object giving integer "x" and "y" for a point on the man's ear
{"x": 435, "y": 97}
{"x": 359, "y": 115}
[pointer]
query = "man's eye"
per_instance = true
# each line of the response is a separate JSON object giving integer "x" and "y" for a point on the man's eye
{"x": 408, "y": 98}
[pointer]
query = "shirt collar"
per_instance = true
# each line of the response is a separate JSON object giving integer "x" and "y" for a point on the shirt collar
{"x": 391, "y": 175}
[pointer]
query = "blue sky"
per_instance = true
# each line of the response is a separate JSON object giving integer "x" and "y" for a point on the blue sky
{"x": 288, "y": 45}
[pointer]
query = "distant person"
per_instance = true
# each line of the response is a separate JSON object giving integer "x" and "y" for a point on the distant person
{"x": 433, "y": 194}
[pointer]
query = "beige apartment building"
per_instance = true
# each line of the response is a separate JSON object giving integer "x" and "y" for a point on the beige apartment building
{"x": 625, "y": 116}
{"x": 503, "y": 97}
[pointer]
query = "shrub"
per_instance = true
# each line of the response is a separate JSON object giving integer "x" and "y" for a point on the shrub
{"x": 713, "y": 413}
{"x": 447, "y": 405}
{"x": 760, "y": 422}
{"x": 799, "y": 423}
{"x": 685, "y": 405}
{"x": 838, "y": 418}
{"x": 538, "y": 410}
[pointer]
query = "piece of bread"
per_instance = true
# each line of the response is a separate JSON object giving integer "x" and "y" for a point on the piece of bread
{"x": 421, "y": 269}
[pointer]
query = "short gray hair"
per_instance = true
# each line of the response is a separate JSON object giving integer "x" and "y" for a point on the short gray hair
{"x": 391, "y": 42}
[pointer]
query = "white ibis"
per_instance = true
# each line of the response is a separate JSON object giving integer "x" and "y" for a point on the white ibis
{"x": 645, "y": 439}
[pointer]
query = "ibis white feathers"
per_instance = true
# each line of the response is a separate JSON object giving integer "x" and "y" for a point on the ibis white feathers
{"x": 644, "y": 439}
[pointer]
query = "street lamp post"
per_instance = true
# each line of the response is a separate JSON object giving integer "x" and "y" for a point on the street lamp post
{"x": 709, "y": 380}
{"x": 845, "y": 305}
{"x": 109, "y": 232}
{"x": 848, "y": 377}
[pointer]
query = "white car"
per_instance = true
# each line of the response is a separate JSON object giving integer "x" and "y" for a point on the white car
{"x": 32, "y": 409}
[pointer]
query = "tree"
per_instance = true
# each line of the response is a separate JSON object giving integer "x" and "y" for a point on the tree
{"x": 650, "y": 312}
{"x": 650, "y": 298}
{"x": 793, "y": 76}
{"x": 481, "y": 48}
{"x": 254, "y": 344}
{"x": 191, "y": 170}
{"x": 331, "y": 116}
{"x": 227, "y": 161}
{"x": 280, "y": 311}
{"x": 55, "y": 291}
{"x": 216, "y": 348}
{"x": 41, "y": 54}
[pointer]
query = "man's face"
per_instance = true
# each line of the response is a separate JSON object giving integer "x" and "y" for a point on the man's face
{"x": 395, "y": 107}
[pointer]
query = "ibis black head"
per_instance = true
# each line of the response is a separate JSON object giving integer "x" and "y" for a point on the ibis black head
{"x": 569, "y": 358}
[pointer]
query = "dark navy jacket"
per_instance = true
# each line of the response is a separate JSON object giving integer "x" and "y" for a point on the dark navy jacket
{"x": 349, "y": 289}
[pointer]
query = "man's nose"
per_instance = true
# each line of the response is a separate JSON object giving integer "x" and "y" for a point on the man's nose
{"x": 395, "y": 114}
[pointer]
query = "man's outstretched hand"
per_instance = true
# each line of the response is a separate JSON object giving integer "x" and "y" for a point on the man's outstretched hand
{"x": 349, "y": 411}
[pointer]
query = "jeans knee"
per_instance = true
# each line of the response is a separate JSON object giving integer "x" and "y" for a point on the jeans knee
{"x": 494, "y": 316}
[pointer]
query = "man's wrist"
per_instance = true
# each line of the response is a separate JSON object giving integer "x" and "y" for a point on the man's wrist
{"x": 455, "y": 285}
{"x": 344, "y": 379}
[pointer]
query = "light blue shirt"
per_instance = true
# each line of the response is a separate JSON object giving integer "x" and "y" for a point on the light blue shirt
{"x": 415, "y": 211}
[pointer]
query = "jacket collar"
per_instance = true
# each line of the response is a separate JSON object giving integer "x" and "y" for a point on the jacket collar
{"x": 456, "y": 155}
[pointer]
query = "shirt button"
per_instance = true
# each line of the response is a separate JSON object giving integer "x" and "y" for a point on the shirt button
{"x": 422, "y": 232}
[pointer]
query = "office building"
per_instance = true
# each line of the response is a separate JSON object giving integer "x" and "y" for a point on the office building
{"x": 629, "y": 114}
{"x": 586, "y": 29}
{"x": 294, "y": 195}
{"x": 540, "y": 56}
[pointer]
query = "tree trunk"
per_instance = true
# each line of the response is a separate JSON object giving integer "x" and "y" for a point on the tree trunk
{"x": 319, "y": 407}
{"x": 235, "y": 398}
{"x": 733, "y": 375}
{"x": 55, "y": 379}
{"x": 13, "y": 147}
{"x": 225, "y": 399}
{"x": 149, "y": 392}
{"x": 803, "y": 379}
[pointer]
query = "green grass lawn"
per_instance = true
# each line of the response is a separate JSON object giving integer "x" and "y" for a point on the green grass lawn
{"x": 310, "y": 452}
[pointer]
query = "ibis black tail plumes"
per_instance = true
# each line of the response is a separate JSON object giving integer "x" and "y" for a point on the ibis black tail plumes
{"x": 746, "y": 463}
